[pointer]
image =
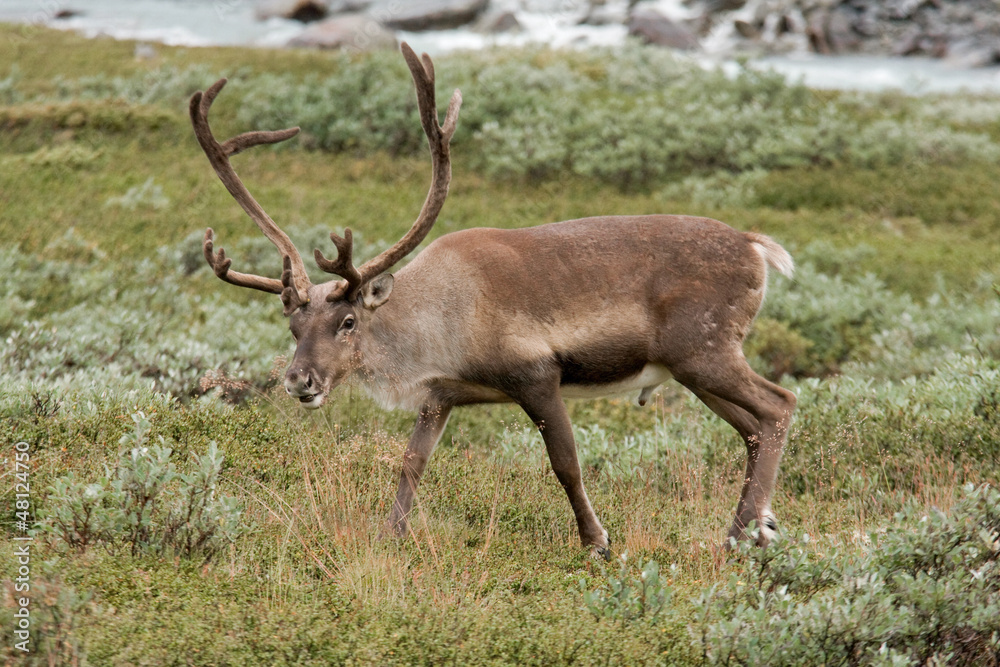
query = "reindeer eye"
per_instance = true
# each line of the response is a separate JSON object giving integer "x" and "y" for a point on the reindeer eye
{"x": 347, "y": 324}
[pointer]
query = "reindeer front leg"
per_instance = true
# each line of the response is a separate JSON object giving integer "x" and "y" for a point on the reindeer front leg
{"x": 430, "y": 424}
{"x": 545, "y": 407}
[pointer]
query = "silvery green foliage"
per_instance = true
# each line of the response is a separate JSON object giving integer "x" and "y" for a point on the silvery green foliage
{"x": 130, "y": 325}
{"x": 14, "y": 306}
{"x": 638, "y": 456}
{"x": 145, "y": 504}
{"x": 981, "y": 111}
{"x": 658, "y": 127}
{"x": 627, "y": 596}
{"x": 926, "y": 591}
{"x": 368, "y": 105}
{"x": 855, "y": 321}
{"x": 165, "y": 84}
{"x": 633, "y": 116}
{"x": 147, "y": 195}
{"x": 9, "y": 93}
{"x": 136, "y": 324}
{"x": 717, "y": 190}
{"x": 62, "y": 157}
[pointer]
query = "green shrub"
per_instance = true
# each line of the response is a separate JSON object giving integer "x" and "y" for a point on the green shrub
{"x": 146, "y": 195}
{"x": 8, "y": 87}
{"x": 776, "y": 350}
{"x": 146, "y": 505}
{"x": 927, "y": 591}
{"x": 630, "y": 116}
{"x": 628, "y": 596}
{"x": 828, "y": 318}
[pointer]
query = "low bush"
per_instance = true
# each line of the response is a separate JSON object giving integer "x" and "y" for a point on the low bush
{"x": 924, "y": 592}
{"x": 145, "y": 505}
{"x": 633, "y": 116}
{"x": 628, "y": 596}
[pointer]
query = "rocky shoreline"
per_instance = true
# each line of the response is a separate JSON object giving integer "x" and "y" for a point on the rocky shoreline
{"x": 965, "y": 31}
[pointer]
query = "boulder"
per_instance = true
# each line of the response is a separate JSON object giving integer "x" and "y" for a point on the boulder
{"x": 746, "y": 29}
{"x": 417, "y": 15}
{"x": 299, "y": 10}
{"x": 908, "y": 43}
{"x": 840, "y": 33}
{"x": 816, "y": 31}
{"x": 712, "y": 6}
{"x": 652, "y": 27}
{"x": 974, "y": 52}
{"x": 493, "y": 23}
{"x": 602, "y": 12}
{"x": 901, "y": 10}
{"x": 965, "y": 31}
{"x": 357, "y": 32}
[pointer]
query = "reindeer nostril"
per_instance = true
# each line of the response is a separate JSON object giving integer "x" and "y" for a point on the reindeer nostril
{"x": 309, "y": 382}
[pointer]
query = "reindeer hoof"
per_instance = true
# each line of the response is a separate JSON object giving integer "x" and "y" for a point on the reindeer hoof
{"x": 392, "y": 531}
{"x": 761, "y": 531}
{"x": 602, "y": 552}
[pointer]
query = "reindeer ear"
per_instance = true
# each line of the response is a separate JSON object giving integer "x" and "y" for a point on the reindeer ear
{"x": 376, "y": 291}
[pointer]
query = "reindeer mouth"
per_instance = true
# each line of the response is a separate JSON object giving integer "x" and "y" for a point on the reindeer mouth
{"x": 312, "y": 401}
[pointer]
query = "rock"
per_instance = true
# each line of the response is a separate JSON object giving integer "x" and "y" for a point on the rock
{"x": 816, "y": 32}
{"x": 357, "y": 32}
{"x": 746, "y": 29}
{"x": 867, "y": 24}
{"x": 793, "y": 22}
{"x": 724, "y": 5}
{"x": 961, "y": 30}
{"x": 493, "y": 23}
{"x": 601, "y": 12}
{"x": 974, "y": 53}
{"x": 428, "y": 14}
{"x": 67, "y": 14}
{"x": 300, "y": 10}
{"x": 908, "y": 42}
{"x": 840, "y": 33}
{"x": 653, "y": 27}
{"x": 899, "y": 10}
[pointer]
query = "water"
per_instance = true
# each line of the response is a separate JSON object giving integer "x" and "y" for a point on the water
{"x": 551, "y": 22}
{"x": 912, "y": 75}
{"x": 174, "y": 22}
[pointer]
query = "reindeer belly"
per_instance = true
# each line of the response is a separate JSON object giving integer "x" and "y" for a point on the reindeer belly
{"x": 649, "y": 377}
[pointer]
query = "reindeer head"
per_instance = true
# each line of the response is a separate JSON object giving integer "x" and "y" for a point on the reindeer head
{"x": 327, "y": 320}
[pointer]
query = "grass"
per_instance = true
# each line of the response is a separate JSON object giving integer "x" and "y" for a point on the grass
{"x": 901, "y": 410}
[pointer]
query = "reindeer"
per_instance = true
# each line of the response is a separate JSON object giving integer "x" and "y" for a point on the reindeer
{"x": 581, "y": 308}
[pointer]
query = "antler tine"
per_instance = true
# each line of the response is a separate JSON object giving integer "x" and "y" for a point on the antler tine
{"x": 218, "y": 155}
{"x": 291, "y": 298}
{"x": 343, "y": 266}
{"x": 220, "y": 265}
{"x": 438, "y": 139}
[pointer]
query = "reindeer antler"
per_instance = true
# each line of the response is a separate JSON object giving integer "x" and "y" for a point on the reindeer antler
{"x": 439, "y": 140}
{"x": 343, "y": 266}
{"x": 291, "y": 298}
{"x": 218, "y": 155}
{"x": 294, "y": 283}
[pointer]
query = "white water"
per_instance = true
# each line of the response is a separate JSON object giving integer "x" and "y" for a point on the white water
{"x": 551, "y": 22}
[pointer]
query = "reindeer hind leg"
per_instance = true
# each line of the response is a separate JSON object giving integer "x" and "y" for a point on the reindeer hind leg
{"x": 761, "y": 412}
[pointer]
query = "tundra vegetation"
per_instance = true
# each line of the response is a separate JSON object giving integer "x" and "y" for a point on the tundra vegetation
{"x": 187, "y": 512}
